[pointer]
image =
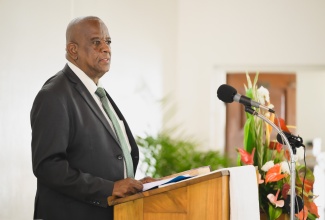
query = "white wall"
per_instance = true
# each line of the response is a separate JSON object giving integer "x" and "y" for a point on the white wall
{"x": 219, "y": 36}
{"x": 33, "y": 48}
{"x": 181, "y": 48}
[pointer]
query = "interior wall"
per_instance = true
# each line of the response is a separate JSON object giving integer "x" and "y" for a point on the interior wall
{"x": 33, "y": 49}
{"x": 310, "y": 105}
{"x": 215, "y": 37}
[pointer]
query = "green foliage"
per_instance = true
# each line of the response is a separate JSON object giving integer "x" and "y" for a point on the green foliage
{"x": 311, "y": 217}
{"x": 255, "y": 128}
{"x": 274, "y": 212}
{"x": 164, "y": 155}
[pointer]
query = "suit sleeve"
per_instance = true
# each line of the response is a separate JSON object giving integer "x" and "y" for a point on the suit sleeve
{"x": 50, "y": 139}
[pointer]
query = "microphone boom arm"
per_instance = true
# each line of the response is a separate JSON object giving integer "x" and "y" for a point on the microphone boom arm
{"x": 292, "y": 162}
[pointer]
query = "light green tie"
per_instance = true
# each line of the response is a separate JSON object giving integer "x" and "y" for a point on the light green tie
{"x": 100, "y": 92}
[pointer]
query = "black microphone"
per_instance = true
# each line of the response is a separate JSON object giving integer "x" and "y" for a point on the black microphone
{"x": 295, "y": 141}
{"x": 228, "y": 94}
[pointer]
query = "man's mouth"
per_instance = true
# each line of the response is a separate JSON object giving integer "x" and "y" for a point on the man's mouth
{"x": 106, "y": 60}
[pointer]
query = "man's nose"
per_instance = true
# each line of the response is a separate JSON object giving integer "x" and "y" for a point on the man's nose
{"x": 106, "y": 47}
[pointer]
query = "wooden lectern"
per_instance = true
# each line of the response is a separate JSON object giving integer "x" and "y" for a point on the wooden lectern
{"x": 203, "y": 197}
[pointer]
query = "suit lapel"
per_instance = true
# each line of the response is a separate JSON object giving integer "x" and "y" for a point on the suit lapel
{"x": 134, "y": 146}
{"x": 79, "y": 86}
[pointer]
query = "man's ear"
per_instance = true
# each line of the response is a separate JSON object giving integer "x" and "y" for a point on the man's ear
{"x": 72, "y": 50}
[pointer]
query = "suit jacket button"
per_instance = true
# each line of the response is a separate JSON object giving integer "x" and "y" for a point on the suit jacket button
{"x": 119, "y": 157}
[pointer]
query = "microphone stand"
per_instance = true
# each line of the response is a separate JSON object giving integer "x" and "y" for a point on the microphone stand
{"x": 249, "y": 110}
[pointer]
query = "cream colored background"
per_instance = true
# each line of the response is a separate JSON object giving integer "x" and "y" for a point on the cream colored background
{"x": 175, "y": 48}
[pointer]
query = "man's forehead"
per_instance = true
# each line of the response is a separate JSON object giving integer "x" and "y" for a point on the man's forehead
{"x": 97, "y": 31}
{"x": 94, "y": 27}
{"x": 88, "y": 27}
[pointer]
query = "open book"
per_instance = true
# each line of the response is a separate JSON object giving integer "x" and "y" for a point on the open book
{"x": 159, "y": 183}
{"x": 176, "y": 178}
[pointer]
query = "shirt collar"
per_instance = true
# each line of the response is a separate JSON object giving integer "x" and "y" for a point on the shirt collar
{"x": 86, "y": 80}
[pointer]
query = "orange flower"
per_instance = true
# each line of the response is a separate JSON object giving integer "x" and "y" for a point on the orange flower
{"x": 302, "y": 215}
{"x": 281, "y": 123}
{"x": 287, "y": 155}
{"x": 313, "y": 209}
{"x": 308, "y": 184}
{"x": 246, "y": 157}
{"x": 275, "y": 145}
{"x": 274, "y": 174}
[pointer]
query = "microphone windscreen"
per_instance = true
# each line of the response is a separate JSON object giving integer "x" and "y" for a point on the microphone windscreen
{"x": 226, "y": 93}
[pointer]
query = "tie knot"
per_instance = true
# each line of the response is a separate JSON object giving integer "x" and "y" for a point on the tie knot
{"x": 100, "y": 92}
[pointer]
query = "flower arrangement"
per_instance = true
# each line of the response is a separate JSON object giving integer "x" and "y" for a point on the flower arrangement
{"x": 272, "y": 158}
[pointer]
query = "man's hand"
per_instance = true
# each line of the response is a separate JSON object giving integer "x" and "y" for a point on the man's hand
{"x": 148, "y": 179}
{"x": 126, "y": 187}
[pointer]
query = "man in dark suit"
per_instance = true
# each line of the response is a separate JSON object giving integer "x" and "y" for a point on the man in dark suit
{"x": 77, "y": 157}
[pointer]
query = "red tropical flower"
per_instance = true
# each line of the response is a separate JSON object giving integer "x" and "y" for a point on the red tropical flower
{"x": 275, "y": 145}
{"x": 285, "y": 190}
{"x": 246, "y": 157}
{"x": 308, "y": 184}
{"x": 287, "y": 155}
{"x": 281, "y": 123}
{"x": 312, "y": 208}
{"x": 302, "y": 215}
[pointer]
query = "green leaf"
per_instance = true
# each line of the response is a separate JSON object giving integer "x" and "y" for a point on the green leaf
{"x": 311, "y": 217}
{"x": 274, "y": 212}
{"x": 249, "y": 134}
{"x": 249, "y": 93}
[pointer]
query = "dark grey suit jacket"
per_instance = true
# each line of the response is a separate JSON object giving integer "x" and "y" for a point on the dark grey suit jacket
{"x": 75, "y": 155}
